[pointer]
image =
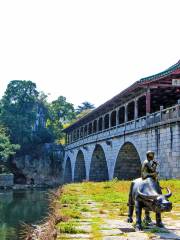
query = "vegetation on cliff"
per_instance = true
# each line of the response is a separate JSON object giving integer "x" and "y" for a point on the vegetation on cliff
{"x": 7, "y": 149}
{"x": 30, "y": 119}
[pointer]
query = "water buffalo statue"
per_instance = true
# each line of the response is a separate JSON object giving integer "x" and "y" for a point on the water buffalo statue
{"x": 146, "y": 194}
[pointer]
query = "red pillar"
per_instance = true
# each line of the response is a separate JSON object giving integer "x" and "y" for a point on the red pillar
{"x": 148, "y": 102}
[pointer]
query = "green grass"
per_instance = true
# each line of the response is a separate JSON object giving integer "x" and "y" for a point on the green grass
{"x": 69, "y": 227}
{"x": 110, "y": 197}
{"x": 158, "y": 230}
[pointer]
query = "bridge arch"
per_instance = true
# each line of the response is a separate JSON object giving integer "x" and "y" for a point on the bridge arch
{"x": 128, "y": 164}
{"x": 98, "y": 168}
{"x": 80, "y": 168}
{"x": 68, "y": 171}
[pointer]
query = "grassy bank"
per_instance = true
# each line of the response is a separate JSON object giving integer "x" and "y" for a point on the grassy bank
{"x": 108, "y": 198}
{"x": 84, "y": 208}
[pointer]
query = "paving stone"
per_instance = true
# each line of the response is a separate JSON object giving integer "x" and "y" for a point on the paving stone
{"x": 85, "y": 228}
{"x": 173, "y": 227}
{"x": 137, "y": 235}
{"x": 126, "y": 227}
{"x": 171, "y": 235}
{"x": 115, "y": 222}
{"x": 122, "y": 225}
{"x": 109, "y": 226}
{"x": 111, "y": 232}
{"x": 75, "y": 236}
{"x": 115, "y": 238}
{"x": 87, "y": 214}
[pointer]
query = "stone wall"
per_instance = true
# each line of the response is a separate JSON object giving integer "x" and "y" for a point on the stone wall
{"x": 6, "y": 180}
{"x": 42, "y": 167}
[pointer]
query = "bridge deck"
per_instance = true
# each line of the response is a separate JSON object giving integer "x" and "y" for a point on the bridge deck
{"x": 157, "y": 118}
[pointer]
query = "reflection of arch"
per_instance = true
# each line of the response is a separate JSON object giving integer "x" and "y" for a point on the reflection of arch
{"x": 128, "y": 164}
{"x": 98, "y": 168}
{"x": 68, "y": 171}
{"x": 80, "y": 169}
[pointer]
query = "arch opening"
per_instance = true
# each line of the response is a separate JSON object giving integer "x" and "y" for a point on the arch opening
{"x": 98, "y": 167}
{"x": 81, "y": 132}
{"x": 90, "y": 128}
{"x": 80, "y": 169}
{"x": 106, "y": 121}
{"x": 113, "y": 119}
{"x": 78, "y": 134}
{"x": 85, "y": 130}
{"x": 130, "y": 111}
{"x": 128, "y": 164}
{"x": 100, "y": 124}
{"x": 95, "y": 126}
{"x": 121, "y": 113}
{"x": 68, "y": 171}
{"x": 142, "y": 106}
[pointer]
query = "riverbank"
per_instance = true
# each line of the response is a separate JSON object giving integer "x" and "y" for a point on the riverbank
{"x": 98, "y": 211}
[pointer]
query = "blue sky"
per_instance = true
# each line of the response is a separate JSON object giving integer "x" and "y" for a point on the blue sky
{"x": 86, "y": 50}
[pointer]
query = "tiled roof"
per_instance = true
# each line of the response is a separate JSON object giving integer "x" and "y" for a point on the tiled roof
{"x": 162, "y": 74}
{"x": 168, "y": 71}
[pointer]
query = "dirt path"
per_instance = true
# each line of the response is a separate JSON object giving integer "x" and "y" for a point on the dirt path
{"x": 98, "y": 224}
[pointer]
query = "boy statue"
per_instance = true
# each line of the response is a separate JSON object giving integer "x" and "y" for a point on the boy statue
{"x": 149, "y": 167}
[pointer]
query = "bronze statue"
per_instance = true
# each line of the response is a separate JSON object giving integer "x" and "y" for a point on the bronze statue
{"x": 149, "y": 166}
{"x": 145, "y": 193}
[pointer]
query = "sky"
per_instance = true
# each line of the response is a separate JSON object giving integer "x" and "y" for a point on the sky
{"x": 86, "y": 50}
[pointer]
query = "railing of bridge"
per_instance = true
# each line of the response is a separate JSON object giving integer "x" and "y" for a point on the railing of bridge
{"x": 164, "y": 115}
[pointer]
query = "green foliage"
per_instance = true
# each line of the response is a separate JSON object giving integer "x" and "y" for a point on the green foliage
{"x": 69, "y": 227}
{"x": 31, "y": 120}
{"x": 24, "y": 112}
{"x": 18, "y": 111}
{"x": 6, "y": 148}
{"x": 61, "y": 112}
{"x": 84, "y": 106}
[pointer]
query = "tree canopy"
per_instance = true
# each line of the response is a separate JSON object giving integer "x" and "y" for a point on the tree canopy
{"x": 18, "y": 110}
{"x": 31, "y": 120}
{"x": 84, "y": 106}
{"x": 61, "y": 112}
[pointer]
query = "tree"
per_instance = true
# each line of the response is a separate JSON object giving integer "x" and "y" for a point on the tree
{"x": 18, "y": 110}
{"x": 6, "y": 148}
{"x": 84, "y": 106}
{"x": 61, "y": 112}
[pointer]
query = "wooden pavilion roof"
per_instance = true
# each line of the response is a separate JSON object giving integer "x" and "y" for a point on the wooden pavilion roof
{"x": 126, "y": 94}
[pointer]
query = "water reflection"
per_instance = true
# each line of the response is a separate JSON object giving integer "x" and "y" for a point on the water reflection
{"x": 29, "y": 206}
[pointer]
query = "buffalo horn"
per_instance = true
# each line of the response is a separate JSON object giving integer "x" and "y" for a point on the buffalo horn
{"x": 145, "y": 196}
{"x": 168, "y": 194}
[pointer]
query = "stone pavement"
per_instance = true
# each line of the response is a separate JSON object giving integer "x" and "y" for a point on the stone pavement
{"x": 100, "y": 225}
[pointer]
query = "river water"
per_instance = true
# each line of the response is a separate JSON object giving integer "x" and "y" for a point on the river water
{"x": 17, "y": 206}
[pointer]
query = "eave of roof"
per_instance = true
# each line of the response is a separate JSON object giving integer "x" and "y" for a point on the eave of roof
{"x": 165, "y": 73}
{"x": 132, "y": 87}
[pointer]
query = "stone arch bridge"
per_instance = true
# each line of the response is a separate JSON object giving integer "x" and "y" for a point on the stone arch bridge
{"x": 112, "y": 140}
